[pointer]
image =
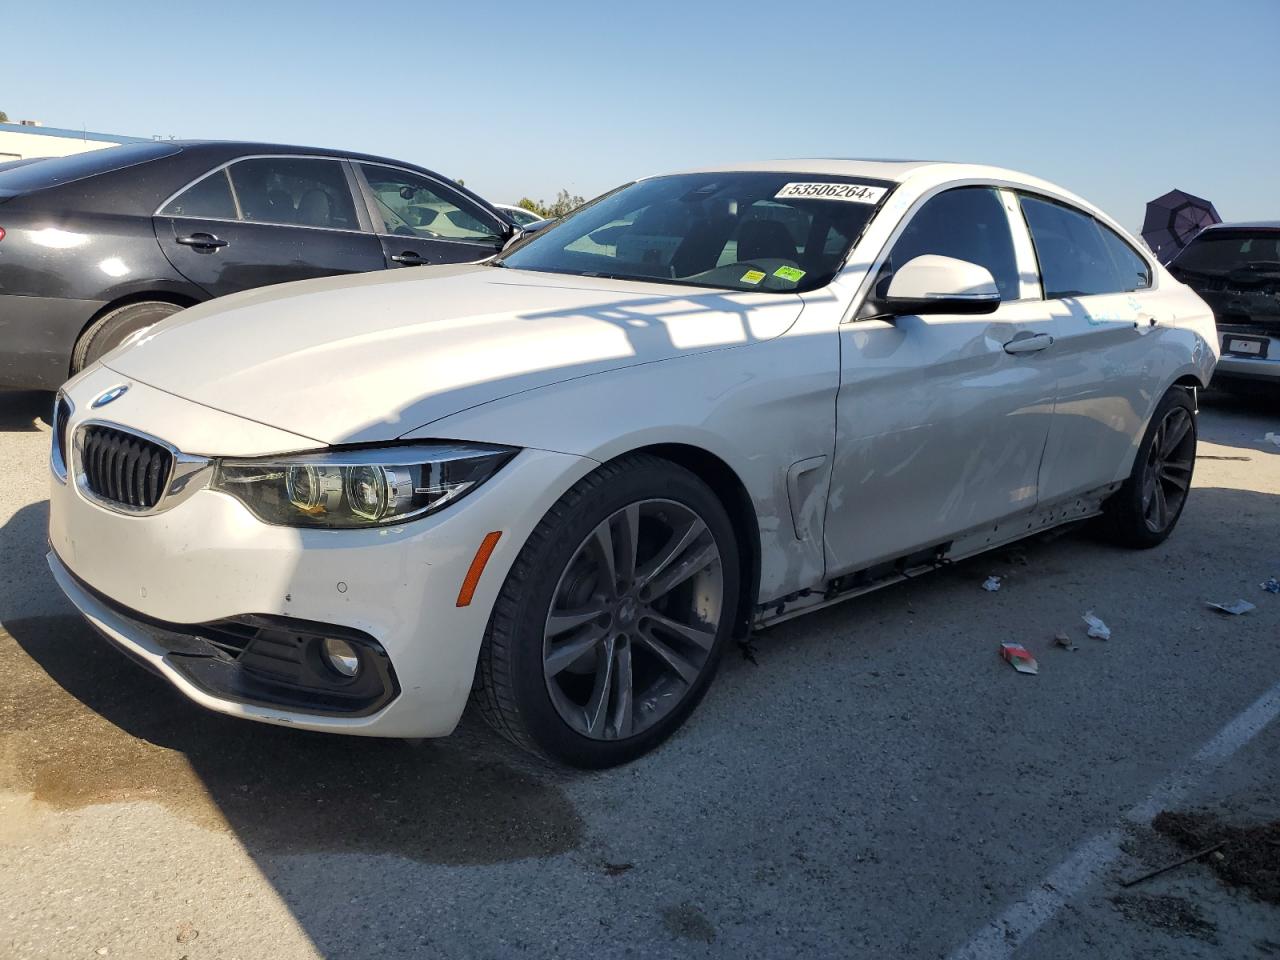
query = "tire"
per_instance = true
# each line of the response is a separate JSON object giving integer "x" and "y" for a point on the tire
{"x": 109, "y": 330}
{"x": 1144, "y": 511}
{"x": 538, "y": 681}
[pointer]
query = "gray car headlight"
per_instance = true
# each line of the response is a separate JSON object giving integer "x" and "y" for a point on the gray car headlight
{"x": 360, "y": 487}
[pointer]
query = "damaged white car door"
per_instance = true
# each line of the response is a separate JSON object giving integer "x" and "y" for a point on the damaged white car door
{"x": 942, "y": 417}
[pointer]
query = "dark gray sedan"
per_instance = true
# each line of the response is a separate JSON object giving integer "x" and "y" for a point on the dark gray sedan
{"x": 98, "y": 246}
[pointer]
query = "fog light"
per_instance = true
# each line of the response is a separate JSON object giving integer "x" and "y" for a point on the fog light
{"x": 341, "y": 656}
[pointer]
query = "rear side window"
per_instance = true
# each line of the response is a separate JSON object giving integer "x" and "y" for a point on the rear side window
{"x": 1078, "y": 256}
{"x": 967, "y": 223}
{"x": 208, "y": 198}
{"x": 294, "y": 191}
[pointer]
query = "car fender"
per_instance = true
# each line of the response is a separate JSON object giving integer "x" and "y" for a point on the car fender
{"x": 761, "y": 408}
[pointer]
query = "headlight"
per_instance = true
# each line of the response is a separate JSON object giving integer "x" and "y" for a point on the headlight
{"x": 359, "y": 488}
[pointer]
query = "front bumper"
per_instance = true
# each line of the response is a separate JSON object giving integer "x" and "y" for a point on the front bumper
{"x": 209, "y": 559}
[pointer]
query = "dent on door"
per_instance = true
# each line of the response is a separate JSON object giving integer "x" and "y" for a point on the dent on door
{"x": 939, "y": 430}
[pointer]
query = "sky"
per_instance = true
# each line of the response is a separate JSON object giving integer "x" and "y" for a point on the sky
{"x": 1118, "y": 101}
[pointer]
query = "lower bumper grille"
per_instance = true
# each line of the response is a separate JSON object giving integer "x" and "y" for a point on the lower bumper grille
{"x": 124, "y": 468}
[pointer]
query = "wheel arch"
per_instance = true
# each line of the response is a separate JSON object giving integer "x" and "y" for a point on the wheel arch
{"x": 732, "y": 494}
{"x": 176, "y": 297}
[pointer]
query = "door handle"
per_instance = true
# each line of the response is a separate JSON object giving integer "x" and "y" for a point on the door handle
{"x": 410, "y": 259}
{"x": 1026, "y": 342}
{"x": 202, "y": 241}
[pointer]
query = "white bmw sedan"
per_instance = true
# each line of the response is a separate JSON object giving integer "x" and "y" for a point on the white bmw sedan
{"x": 557, "y": 484}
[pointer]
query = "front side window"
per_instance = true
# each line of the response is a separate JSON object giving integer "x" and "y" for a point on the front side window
{"x": 1079, "y": 256}
{"x": 410, "y": 205}
{"x": 294, "y": 191}
{"x": 967, "y": 223}
{"x": 775, "y": 232}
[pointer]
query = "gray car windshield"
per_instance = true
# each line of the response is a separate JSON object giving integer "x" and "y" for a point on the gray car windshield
{"x": 773, "y": 232}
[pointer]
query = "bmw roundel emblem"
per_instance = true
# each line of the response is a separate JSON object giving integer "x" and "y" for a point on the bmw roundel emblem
{"x": 115, "y": 393}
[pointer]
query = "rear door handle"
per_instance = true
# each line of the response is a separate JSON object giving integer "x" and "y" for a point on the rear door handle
{"x": 202, "y": 241}
{"x": 410, "y": 259}
{"x": 1028, "y": 343}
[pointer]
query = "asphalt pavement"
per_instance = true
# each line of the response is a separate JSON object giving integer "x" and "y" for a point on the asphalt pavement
{"x": 869, "y": 781}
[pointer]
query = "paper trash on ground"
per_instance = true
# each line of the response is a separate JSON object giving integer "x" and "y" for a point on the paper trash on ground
{"x": 1096, "y": 627}
{"x": 1018, "y": 656}
{"x": 1238, "y": 607}
{"x": 991, "y": 584}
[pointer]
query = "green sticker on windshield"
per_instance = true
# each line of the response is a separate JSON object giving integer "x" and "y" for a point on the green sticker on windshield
{"x": 753, "y": 276}
{"x": 789, "y": 273}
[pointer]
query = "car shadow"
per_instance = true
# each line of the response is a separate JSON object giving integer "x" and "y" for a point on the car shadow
{"x": 23, "y": 410}
{"x": 87, "y": 726}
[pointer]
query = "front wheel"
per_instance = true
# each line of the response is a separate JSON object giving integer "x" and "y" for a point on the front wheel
{"x": 1144, "y": 511}
{"x": 612, "y": 620}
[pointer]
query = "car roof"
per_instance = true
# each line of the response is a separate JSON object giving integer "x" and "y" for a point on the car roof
{"x": 1246, "y": 225}
{"x": 933, "y": 172}
{"x": 247, "y": 147}
{"x": 899, "y": 171}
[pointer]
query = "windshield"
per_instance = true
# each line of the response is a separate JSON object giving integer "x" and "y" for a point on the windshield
{"x": 58, "y": 170}
{"x": 776, "y": 232}
{"x": 1226, "y": 251}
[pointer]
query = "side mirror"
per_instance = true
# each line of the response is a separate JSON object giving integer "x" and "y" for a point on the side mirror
{"x": 935, "y": 284}
{"x": 517, "y": 234}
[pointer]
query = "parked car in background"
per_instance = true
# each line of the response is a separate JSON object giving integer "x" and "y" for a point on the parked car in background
{"x": 1235, "y": 267}
{"x": 98, "y": 246}
{"x": 559, "y": 482}
{"x": 519, "y": 214}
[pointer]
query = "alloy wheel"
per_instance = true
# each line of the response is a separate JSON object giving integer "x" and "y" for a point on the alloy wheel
{"x": 1167, "y": 477}
{"x": 633, "y": 620}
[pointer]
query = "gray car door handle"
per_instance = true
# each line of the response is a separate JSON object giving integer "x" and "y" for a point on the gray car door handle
{"x": 1028, "y": 343}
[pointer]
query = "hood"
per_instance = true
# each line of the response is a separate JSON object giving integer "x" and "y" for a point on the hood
{"x": 371, "y": 357}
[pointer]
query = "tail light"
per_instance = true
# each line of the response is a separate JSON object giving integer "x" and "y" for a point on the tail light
{"x": 1, "y": 233}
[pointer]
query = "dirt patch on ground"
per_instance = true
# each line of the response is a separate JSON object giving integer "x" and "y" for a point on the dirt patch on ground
{"x": 1173, "y": 914}
{"x": 1250, "y": 857}
{"x": 82, "y": 725}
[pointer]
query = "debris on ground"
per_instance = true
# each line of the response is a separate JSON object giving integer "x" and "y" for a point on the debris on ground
{"x": 1170, "y": 913}
{"x": 748, "y": 651}
{"x": 1212, "y": 848}
{"x": 1019, "y": 657}
{"x": 1271, "y": 585}
{"x": 1273, "y": 438}
{"x": 1236, "y": 607}
{"x": 991, "y": 584}
{"x": 187, "y": 932}
{"x": 1097, "y": 628}
{"x": 1064, "y": 641}
{"x": 617, "y": 869}
{"x": 1250, "y": 854}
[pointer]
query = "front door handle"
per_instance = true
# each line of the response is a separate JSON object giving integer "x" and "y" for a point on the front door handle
{"x": 202, "y": 241}
{"x": 1026, "y": 342}
{"x": 410, "y": 259}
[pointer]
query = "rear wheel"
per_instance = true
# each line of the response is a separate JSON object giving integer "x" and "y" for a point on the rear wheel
{"x": 1144, "y": 511}
{"x": 611, "y": 622}
{"x": 110, "y": 330}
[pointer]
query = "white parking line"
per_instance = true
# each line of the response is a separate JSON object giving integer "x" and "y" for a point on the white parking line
{"x": 1001, "y": 938}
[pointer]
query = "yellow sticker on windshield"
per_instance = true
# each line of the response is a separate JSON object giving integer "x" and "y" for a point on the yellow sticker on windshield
{"x": 789, "y": 273}
{"x": 753, "y": 276}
